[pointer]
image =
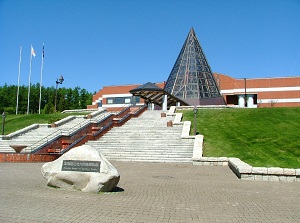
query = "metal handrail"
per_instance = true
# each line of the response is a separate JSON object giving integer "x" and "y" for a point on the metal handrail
{"x": 35, "y": 146}
{"x": 77, "y": 127}
{"x": 103, "y": 128}
{"x": 104, "y": 116}
{"x": 141, "y": 108}
{"x": 72, "y": 144}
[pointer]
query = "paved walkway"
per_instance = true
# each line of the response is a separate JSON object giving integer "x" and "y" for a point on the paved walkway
{"x": 149, "y": 192}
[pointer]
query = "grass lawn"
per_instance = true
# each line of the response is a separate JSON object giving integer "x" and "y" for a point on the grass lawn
{"x": 16, "y": 122}
{"x": 266, "y": 137}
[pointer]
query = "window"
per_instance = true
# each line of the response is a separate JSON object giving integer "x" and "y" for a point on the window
{"x": 110, "y": 101}
{"x": 127, "y": 100}
{"x": 137, "y": 99}
{"x": 119, "y": 100}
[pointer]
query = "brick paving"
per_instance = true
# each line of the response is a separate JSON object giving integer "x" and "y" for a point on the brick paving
{"x": 149, "y": 192}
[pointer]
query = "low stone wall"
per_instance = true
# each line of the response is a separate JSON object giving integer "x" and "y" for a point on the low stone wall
{"x": 185, "y": 134}
{"x": 198, "y": 147}
{"x": 211, "y": 161}
{"x": 171, "y": 111}
{"x": 80, "y": 110}
{"x": 95, "y": 113}
{"x": 246, "y": 172}
{"x": 20, "y": 132}
{"x": 63, "y": 121}
{"x": 177, "y": 119}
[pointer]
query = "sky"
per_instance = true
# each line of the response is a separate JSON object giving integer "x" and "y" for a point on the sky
{"x": 96, "y": 43}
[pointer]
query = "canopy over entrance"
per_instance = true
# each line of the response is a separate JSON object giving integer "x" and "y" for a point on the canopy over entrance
{"x": 151, "y": 93}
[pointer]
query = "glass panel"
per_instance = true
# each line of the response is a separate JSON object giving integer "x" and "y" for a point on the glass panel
{"x": 110, "y": 101}
{"x": 127, "y": 100}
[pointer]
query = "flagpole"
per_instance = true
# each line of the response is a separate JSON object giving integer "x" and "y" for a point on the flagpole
{"x": 31, "y": 49}
{"x": 41, "y": 81}
{"x": 18, "y": 90}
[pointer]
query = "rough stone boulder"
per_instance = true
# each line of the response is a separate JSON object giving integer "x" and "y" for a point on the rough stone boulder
{"x": 82, "y": 168}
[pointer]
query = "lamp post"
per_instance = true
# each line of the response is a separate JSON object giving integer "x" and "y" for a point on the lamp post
{"x": 3, "y": 121}
{"x": 58, "y": 81}
{"x": 195, "y": 118}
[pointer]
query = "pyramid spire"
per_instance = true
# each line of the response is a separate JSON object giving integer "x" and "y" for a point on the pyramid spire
{"x": 191, "y": 78}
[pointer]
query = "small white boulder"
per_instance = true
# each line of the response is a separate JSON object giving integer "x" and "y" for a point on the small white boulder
{"x": 82, "y": 168}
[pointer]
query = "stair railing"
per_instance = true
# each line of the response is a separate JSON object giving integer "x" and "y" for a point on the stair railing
{"x": 49, "y": 138}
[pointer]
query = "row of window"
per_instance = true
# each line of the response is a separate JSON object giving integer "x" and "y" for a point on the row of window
{"x": 123, "y": 100}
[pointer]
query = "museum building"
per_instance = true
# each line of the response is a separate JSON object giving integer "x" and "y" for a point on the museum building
{"x": 260, "y": 92}
{"x": 191, "y": 82}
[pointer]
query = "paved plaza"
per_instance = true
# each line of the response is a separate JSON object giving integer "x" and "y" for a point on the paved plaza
{"x": 149, "y": 192}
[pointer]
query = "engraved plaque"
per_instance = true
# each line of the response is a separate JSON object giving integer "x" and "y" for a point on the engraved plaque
{"x": 81, "y": 166}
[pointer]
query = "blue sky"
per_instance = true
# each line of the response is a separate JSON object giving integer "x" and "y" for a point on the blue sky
{"x": 95, "y": 43}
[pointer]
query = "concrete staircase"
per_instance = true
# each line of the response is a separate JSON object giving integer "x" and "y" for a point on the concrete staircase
{"x": 28, "y": 138}
{"x": 146, "y": 139}
{"x": 40, "y": 134}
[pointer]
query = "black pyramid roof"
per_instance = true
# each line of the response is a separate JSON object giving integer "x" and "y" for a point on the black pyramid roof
{"x": 191, "y": 78}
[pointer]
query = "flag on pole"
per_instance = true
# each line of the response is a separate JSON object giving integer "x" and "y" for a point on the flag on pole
{"x": 32, "y": 51}
{"x": 18, "y": 90}
{"x": 40, "y": 100}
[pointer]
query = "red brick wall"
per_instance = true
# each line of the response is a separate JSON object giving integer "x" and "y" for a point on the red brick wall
{"x": 224, "y": 82}
{"x": 26, "y": 158}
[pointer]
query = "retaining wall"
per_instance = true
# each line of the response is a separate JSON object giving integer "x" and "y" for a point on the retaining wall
{"x": 246, "y": 172}
{"x": 26, "y": 158}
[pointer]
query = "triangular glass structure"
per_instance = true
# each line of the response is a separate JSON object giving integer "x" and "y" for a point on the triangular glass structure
{"x": 191, "y": 78}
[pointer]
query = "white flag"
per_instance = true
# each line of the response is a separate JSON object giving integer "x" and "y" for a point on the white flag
{"x": 32, "y": 51}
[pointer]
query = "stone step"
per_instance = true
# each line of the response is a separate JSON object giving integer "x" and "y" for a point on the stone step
{"x": 144, "y": 132}
{"x": 141, "y": 132}
{"x": 149, "y": 159}
{"x": 142, "y": 142}
{"x": 145, "y": 147}
{"x": 160, "y": 134}
{"x": 132, "y": 156}
{"x": 146, "y": 154}
{"x": 148, "y": 151}
{"x": 162, "y": 126}
{"x": 8, "y": 150}
{"x": 136, "y": 139}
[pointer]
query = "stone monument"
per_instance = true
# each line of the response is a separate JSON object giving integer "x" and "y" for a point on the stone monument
{"x": 82, "y": 168}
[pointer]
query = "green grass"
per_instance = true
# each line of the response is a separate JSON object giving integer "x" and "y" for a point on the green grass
{"x": 16, "y": 122}
{"x": 260, "y": 137}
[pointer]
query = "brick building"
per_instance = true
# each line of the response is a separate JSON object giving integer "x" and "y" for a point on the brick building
{"x": 260, "y": 92}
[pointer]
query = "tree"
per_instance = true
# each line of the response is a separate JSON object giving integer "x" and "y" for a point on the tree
{"x": 67, "y": 98}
